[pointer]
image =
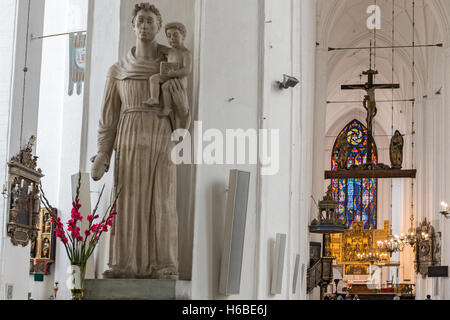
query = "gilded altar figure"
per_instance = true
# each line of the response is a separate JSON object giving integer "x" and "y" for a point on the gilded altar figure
{"x": 144, "y": 241}
{"x": 45, "y": 254}
{"x": 396, "y": 150}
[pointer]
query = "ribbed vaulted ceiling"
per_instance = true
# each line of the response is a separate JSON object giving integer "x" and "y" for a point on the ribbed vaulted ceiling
{"x": 343, "y": 23}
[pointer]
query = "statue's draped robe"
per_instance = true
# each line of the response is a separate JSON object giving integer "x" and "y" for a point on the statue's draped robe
{"x": 145, "y": 234}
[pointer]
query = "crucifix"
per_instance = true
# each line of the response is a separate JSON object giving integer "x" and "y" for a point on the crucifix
{"x": 369, "y": 102}
{"x": 370, "y": 105}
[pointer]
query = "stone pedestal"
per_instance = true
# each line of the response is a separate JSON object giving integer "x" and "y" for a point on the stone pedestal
{"x": 137, "y": 289}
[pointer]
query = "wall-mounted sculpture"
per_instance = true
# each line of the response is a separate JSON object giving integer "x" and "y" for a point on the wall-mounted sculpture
{"x": 23, "y": 196}
{"x": 427, "y": 248}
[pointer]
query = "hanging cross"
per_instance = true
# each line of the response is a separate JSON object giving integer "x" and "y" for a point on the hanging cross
{"x": 370, "y": 106}
{"x": 370, "y": 102}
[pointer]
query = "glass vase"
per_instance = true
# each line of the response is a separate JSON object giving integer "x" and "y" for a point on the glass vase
{"x": 78, "y": 273}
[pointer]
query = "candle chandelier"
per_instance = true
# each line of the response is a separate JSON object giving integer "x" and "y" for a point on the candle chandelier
{"x": 373, "y": 256}
{"x": 397, "y": 243}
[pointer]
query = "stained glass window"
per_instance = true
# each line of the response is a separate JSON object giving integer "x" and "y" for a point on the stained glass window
{"x": 357, "y": 198}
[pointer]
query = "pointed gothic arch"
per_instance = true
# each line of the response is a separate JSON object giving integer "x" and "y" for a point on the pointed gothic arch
{"x": 357, "y": 198}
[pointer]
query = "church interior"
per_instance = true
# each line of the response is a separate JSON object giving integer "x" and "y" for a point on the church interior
{"x": 351, "y": 94}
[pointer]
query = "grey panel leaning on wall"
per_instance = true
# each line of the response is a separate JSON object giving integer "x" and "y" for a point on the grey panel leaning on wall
{"x": 278, "y": 264}
{"x": 296, "y": 269}
{"x": 234, "y": 234}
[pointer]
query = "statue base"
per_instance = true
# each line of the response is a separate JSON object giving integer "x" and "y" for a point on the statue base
{"x": 136, "y": 289}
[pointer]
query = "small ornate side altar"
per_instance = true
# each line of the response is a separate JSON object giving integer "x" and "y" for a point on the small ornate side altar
{"x": 23, "y": 196}
{"x": 43, "y": 248}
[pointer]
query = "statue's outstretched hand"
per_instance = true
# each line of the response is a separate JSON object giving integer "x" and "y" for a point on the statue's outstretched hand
{"x": 100, "y": 165}
{"x": 179, "y": 96}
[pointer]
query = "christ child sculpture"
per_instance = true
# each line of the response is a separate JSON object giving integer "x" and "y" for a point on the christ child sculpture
{"x": 178, "y": 65}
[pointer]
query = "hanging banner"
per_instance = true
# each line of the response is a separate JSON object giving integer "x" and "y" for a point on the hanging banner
{"x": 77, "y": 49}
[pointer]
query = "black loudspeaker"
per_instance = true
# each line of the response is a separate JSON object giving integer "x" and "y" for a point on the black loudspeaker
{"x": 438, "y": 272}
{"x": 234, "y": 235}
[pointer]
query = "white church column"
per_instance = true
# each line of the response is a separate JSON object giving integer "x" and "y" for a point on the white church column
{"x": 308, "y": 32}
{"x": 397, "y": 221}
{"x": 7, "y": 37}
{"x": 428, "y": 178}
{"x": 445, "y": 176}
{"x": 422, "y": 160}
{"x": 228, "y": 99}
{"x": 60, "y": 127}
{"x": 437, "y": 180}
{"x": 318, "y": 143}
{"x": 320, "y": 109}
{"x": 286, "y": 196}
{"x": 24, "y": 72}
{"x": 103, "y": 52}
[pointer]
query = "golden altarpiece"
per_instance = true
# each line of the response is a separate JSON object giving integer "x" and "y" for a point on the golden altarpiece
{"x": 356, "y": 249}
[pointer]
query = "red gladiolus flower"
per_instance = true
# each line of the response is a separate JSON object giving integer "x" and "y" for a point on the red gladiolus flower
{"x": 89, "y": 218}
{"x": 94, "y": 227}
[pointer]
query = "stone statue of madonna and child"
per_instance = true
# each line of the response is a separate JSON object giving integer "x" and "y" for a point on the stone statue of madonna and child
{"x": 145, "y": 100}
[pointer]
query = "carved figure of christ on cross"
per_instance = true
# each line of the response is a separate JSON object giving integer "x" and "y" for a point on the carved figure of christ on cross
{"x": 369, "y": 102}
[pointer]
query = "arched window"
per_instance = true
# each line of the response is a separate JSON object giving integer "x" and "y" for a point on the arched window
{"x": 357, "y": 198}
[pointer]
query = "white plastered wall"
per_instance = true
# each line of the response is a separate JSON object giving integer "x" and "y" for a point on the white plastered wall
{"x": 59, "y": 127}
{"x": 277, "y": 39}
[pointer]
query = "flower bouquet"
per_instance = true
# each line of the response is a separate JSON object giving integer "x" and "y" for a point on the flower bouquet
{"x": 79, "y": 247}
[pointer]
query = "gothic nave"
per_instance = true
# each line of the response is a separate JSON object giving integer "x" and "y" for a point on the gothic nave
{"x": 224, "y": 150}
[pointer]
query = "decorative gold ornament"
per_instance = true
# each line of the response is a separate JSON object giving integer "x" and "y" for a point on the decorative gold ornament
{"x": 427, "y": 248}
{"x": 357, "y": 246}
